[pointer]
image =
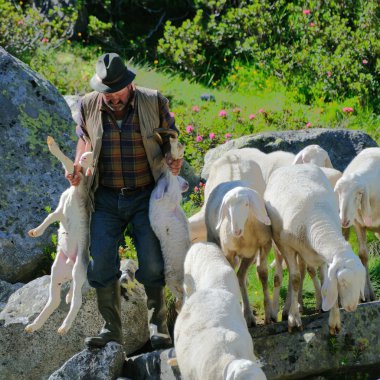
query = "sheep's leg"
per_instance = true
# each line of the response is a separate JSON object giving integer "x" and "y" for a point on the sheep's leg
{"x": 277, "y": 282}
{"x": 302, "y": 268}
{"x": 363, "y": 254}
{"x": 317, "y": 287}
{"x": 69, "y": 295}
{"x": 334, "y": 320}
{"x": 51, "y": 218}
{"x": 79, "y": 277}
{"x": 294, "y": 318}
{"x": 242, "y": 277}
{"x": 55, "y": 151}
{"x": 58, "y": 275}
{"x": 262, "y": 270}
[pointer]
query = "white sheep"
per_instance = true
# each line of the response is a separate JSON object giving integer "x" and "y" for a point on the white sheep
{"x": 313, "y": 154}
{"x": 359, "y": 202}
{"x": 237, "y": 221}
{"x": 211, "y": 338}
{"x": 305, "y": 221}
{"x": 170, "y": 224}
{"x": 72, "y": 256}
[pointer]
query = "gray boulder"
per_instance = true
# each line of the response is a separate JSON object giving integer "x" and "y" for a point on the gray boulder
{"x": 37, "y": 355}
{"x": 98, "y": 364}
{"x": 342, "y": 145}
{"x": 31, "y": 179}
{"x": 6, "y": 290}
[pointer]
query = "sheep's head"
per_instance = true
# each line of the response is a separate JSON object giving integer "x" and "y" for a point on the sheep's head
{"x": 87, "y": 162}
{"x": 238, "y": 205}
{"x": 170, "y": 185}
{"x": 242, "y": 369}
{"x": 313, "y": 154}
{"x": 353, "y": 201}
{"x": 346, "y": 278}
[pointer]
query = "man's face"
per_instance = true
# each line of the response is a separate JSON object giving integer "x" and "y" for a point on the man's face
{"x": 117, "y": 100}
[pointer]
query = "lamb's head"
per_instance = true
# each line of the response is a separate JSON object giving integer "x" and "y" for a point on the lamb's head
{"x": 242, "y": 369}
{"x": 238, "y": 205}
{"x": 353, "y": 201}
{"x": 346, "y": 278}
{"x": 170, "y": 186}
{"x": 313, "y": 154}
{"x": 87, "y": 162}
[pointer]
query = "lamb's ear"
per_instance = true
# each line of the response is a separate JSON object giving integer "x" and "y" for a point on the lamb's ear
{"x": 161, "y": 187}
{"x": 330, "y": 289}
{"x": 222, "y": 213}
{"x": 328, "y": 163}
{"x": 365, "y": 207}
{"x": 298, "y": 159}
{"x": 258, "y": 207}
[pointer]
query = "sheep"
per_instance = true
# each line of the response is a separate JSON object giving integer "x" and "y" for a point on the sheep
{"x": 232, "y": 166}
{"x": 237, "y": 221}
{"x": 359, "y": 202}
{"x": 72, "y": 256}
{"x": 211, "y": 338}
{"x": 313, "y": 154}
{"x": 305, "y": 221}
{"x": 170, "y": 224}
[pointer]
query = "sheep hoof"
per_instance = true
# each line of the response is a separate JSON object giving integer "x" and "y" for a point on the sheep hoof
{"x": 29, "y": 328}
{"x": 62, "y": 331}
{"x": 50, "y": 140}
{"x": 32, "y": 233}
{"x": 172, "y": 362}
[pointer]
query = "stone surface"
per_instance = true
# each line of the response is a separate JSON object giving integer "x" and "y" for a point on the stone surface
{"x": 38, "y": 355}
{"x": 100, "y": 364}
{"x": 342, "y": 145}
{"x": 6, "y": 290}
{"x": 31, "y": 179}
{"x": 300, "y": 355}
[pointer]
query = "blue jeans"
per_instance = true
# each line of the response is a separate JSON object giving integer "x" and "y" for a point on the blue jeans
{"x": 112, "y": 213}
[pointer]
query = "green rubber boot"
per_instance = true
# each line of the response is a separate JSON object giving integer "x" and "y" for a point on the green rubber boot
{"x": 158, "y": 328}
{"x": 109, "y": 305}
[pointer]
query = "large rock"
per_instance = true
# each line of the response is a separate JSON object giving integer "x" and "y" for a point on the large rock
{"x": 300, "y": 355}
{"x": 100, "y": 364}
{"x": 342, "y": 145}
{"x": 31, "y": 179}
{"x": 37, "y": 355}
{"x": 6, "y": 290}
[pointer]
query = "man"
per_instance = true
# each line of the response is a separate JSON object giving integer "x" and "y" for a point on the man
{"x": 119, "y": 119}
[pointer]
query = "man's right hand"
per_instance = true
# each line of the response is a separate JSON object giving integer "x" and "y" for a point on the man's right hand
{"x": 74, "y": 178}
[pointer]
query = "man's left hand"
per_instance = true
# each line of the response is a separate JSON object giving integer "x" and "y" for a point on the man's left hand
{"x": 173, "y": 165}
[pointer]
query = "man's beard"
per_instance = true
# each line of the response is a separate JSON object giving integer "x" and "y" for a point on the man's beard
{"x": 116, "y": 107}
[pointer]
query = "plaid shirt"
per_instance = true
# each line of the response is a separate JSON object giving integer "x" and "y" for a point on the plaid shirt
{"x": 123, "y": 161}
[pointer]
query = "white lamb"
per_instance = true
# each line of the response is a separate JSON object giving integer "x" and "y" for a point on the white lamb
{"x": 72, "y": 256}
{"x": 237, "y": 221}
{"x": 211, "y": 338}
{"x": 359, "y": 202}
{"x": 170, "y": 224}
{"x": 305, "y": 221}
{"x": 313, "y": 154}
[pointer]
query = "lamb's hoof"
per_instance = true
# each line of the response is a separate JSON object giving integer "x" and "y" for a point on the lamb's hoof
{"x": 32, "y": 233}
{"x": 172, "y": 362}
{"x": 62, "y": 330}
{"x": 50, "y": 140}
{"x": 29, "y": 328}
{"x": 334, "y": 330}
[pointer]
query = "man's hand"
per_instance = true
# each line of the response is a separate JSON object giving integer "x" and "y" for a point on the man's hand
{"x": 74, "y": 178}
{"x": 173, "y": 165}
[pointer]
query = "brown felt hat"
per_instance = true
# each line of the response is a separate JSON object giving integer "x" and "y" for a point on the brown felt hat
{"x": 112, "y": 74}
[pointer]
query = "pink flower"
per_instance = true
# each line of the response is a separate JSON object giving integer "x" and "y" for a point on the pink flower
{"x": 222, "y": 113}
{"x": 189, "y": 129}
{"x": 329, "y": 73}
{"x": 172, "y": 114}
{"x": 196, "y": 188}
{"x": 236, "y": 110}
{"x": 212, "y": 135}
{"x": 20, "y": 22}
{"x": 199, "y": 138}
{"x": 251, "y": 116}
{"x": 261, "y": 110}
{"x": 312, "y": 24}
{"x": 306, "y": 11}
{"x": 308, "y": 125}
{"x": 201, "y": 184}
{"x": 227, "y": 136}
{"x": 364, "y": 61}
{"x": 348, "y": 109}
{"x": 196, "y": 109}
{"x": 45, "y": 40}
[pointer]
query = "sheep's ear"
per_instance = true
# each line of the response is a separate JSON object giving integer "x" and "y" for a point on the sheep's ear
{"x": 298, "y": 159}
{"x": 330, "y": 289}
{"x": 328, "y": 163}
{"x": 258, "y": 207}
{"x": 161, "y": 187}
{"x": 88, "y": 172}
{"x": 366, "y": 207}
{"x": 222, "y": 213}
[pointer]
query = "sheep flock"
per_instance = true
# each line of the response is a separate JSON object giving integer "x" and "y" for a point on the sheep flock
{"x": 297, "y": 205}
